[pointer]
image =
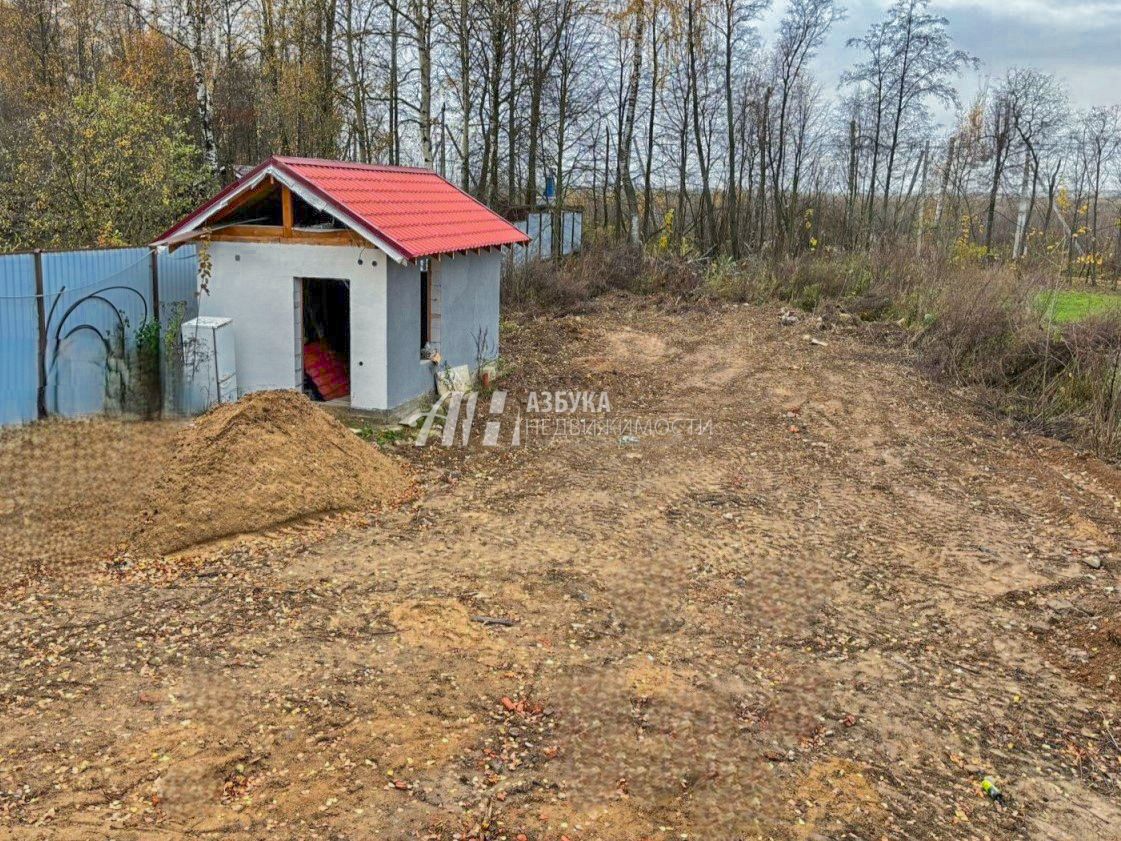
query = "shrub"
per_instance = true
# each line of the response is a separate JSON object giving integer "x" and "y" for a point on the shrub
{"x": 978, "y": 322}
{"x": 570, "y": 282}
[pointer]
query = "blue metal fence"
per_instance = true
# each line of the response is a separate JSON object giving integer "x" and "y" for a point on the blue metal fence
{"x": 540, "y": 225}
{"x": 88, "y": 299}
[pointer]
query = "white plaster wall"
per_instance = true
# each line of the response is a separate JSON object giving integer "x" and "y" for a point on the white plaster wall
{"x": 254, "y": 284}
{"x": 469, "y": 293}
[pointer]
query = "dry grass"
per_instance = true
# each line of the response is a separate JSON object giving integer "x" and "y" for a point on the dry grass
{"x": 973, "y": 324}
{"x": 567, "y": 284}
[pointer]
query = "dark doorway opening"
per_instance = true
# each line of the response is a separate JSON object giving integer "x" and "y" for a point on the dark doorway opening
{"x": 326, "y": 327}
{"x": 425, "y": 293}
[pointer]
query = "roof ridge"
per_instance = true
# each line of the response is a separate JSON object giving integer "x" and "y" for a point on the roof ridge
{"x": 374, "y": 167}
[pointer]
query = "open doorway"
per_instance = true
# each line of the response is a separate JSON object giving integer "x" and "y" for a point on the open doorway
{"x": 326, "y": 338}
{"x": 430, "y": 308}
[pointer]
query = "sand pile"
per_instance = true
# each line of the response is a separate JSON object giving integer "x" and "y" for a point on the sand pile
{"x": 270, "y": 458}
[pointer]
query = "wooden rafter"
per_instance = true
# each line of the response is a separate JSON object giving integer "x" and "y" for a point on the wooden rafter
{"x": 286, "y": 210}
{"x": 276, "y": 234}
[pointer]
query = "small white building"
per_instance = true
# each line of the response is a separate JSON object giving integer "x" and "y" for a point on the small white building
{"x": 353, "y": 282}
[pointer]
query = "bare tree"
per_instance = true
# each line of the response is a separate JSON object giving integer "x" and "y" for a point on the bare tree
{"x": 801, "y": 33}
{"x": 734, "y": 22}
{"x": 1037, "y": 104}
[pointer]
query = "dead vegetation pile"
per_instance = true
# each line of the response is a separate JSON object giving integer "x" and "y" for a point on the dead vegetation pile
{"x": 268, "y": 459}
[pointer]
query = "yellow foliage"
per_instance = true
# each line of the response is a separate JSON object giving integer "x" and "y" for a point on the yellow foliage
{"x": 965, "y": 250}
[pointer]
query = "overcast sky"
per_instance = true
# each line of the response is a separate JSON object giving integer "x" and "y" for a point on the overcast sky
{"x": 1078, "y": 40}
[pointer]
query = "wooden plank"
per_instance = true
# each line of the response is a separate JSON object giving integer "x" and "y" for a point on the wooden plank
{"x": 274, "y": 234}
{"x": 286, "y": 209}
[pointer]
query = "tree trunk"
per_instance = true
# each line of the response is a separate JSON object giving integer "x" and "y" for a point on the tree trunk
{"x": 1022, "y": 208}
{"x": 203, "y": 101}
{"x": 606, "y": 171}
{"x": 595, "y": 180}
{"x": 626, "y": 141}
{"x": 1052, "y": 188}
{"x": 535, "y": 85}
{"x": 850, "y": 193}
{"x": 1094, "y": 217}
{"x": 877, "y": 131}
{"x": 1000, "y": 153}
{"x": 498, "y": 56}
{"x": 705, "y": 221}
{"x": 561, "y": 181}
{"x": 946, "y": 169}
{"x": 464, "y": 98}
{"x": 357, "y": 80}
{"x": 897, "y": 121}
{"x": 682, "y": 174}
{"x": 394, "y": 87}
{"x": 920, "y": 215}
{"x": 423, "y": 11}
{"x": 647, "y": 195}
{"x": 764, "y": 154}
{"x": 732, "y": 186}
{"x": 511, "y": 109}
{"x": 328, "y": 130}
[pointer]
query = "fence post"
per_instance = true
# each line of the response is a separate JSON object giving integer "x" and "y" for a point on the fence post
{"x": 41, "y": 312}
{"x": 154, "y": 271}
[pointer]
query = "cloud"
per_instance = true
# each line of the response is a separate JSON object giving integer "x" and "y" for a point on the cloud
{"x": 1077, "y": 40}
{"x": 1043, "y": 13}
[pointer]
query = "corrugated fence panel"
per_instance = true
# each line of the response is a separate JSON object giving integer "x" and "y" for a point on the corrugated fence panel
{"x": 19, "y": 338}
{"x": 96, "y": 300}
{"x": 519, "y": 254}
{"x": 543, "y": 236}
{"x": 178, "y": 303}
{"x": 178, "y": 276}
{"x": 539, "y": 226}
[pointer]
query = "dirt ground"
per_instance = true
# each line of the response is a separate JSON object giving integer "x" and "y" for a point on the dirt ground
{"x": 830, "y": 614}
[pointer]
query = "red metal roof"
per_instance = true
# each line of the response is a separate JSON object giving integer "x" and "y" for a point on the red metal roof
{"x": 413, "y": 211}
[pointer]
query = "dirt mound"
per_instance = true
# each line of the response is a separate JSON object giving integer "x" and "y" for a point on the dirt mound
{"x": 270, "y": 458}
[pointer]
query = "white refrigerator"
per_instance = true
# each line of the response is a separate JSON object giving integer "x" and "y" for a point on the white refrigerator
{"x": 209, "y": 362}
